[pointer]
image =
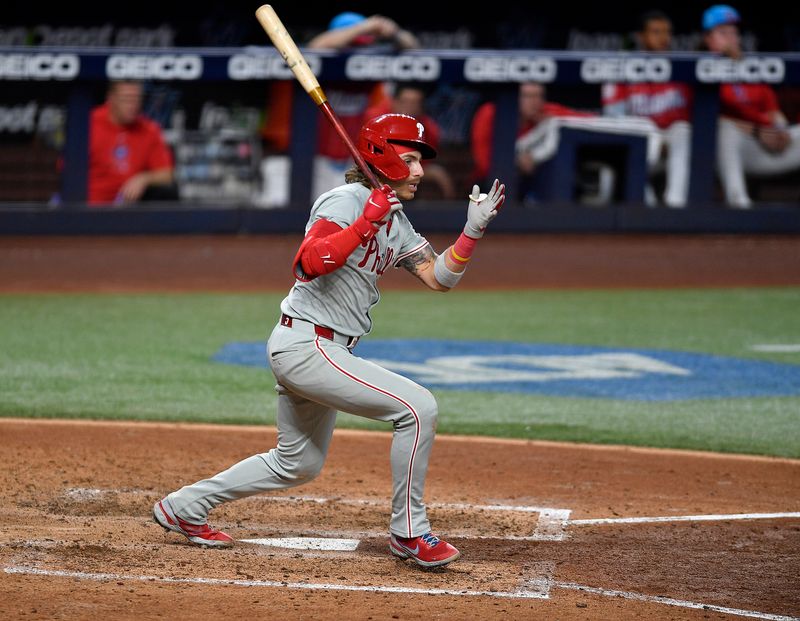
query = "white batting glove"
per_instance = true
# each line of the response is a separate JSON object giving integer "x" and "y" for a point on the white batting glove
{"x": 483, "y": 208}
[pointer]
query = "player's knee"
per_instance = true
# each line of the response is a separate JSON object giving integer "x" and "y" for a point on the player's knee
{"x": 310, "y": 466}
{"x": 297, "y": 469}
{"x": 308, "y": 469}
{"x": 427, "y": 409}
{"x": 304, "y": 476}
{"x": 419, "y": 410}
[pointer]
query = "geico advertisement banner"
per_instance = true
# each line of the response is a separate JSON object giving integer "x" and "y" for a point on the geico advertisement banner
{"x": 633, "y": 69}
{"x": 39, "y": 66}
{"x": 510, "y": 69}
{"x": 377, "y": 67}
{"x": 266, "y": 66}
{"x": 154, "y": 67}
{"x": 755, "y": 69}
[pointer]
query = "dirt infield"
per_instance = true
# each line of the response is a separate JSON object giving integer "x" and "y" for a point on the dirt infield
{"x": 547, "y": 530}
{"x": 254, "y": 263}
{"x": 77, "y": 540}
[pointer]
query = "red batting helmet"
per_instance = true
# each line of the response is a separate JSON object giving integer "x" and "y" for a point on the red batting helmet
{"x": 377, "y": 136}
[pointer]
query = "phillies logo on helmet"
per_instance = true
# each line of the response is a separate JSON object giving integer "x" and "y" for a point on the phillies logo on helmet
{"x": 377, "y": 136}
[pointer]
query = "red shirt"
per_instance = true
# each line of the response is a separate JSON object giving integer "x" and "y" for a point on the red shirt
{"x": 663, "y": 103}
{"x": 350, "y": 101}
{"x": 482, "y": 132}
{"x": 117, "y": 153}
{"x": 755, "y": 103}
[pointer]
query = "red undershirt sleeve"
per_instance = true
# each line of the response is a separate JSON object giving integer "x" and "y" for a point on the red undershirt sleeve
{"x": 326, "y": 247}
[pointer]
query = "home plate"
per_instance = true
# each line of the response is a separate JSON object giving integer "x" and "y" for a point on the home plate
{"x": 308, "y": 543}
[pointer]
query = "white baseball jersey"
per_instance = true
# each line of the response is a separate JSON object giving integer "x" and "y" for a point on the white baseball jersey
{"x": 342, "y": 299}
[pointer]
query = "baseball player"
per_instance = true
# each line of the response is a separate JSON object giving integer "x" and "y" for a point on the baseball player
{"x": 754, "y": 136}
{"x": 353, "y": 235}
{"x": 539, "y": 135}
{"x": 667, "y": 104}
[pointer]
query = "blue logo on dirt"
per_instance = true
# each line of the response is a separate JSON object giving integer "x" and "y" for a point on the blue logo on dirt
{"x": 564, "y": 370}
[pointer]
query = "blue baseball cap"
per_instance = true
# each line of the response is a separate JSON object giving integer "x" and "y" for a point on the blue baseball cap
{"x": 343, "y": 20}
{"x": 720, "y": 14}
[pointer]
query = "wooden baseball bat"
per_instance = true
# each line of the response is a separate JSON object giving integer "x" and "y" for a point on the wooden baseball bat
{"x": 284, "y": 43}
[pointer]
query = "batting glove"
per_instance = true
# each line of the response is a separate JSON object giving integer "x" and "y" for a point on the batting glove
{"x": 380, "y": 206}
{"x": 483, "y": 208}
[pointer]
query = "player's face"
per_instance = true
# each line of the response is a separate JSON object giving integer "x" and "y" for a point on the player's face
{"x": 657, "y": 36}
{"x": 725, "y": 40}
{"x": 407, "y": 188}
{"x": 531, "y": 102}
{"x": 125, "y": 102}
{"x": 409, "y": 101}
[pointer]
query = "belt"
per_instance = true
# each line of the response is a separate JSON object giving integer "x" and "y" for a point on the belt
{"x": 326, "y": 333}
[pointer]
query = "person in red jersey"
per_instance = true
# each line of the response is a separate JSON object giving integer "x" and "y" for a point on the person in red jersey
{"x": 534, "y": 109}
{"x": 754, "y": 136}
{"x": 347, "y": 31}
{"x": 667, "y": 104}
{"x": 538, "y": 137}
{"x": 350, "y": 99}
{"x": 128, "y": 157}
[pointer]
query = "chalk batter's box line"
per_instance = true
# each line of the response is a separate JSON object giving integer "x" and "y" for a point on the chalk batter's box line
{"x": 537, "y": 588}
{"x": 101, "y": 577}
{"x": 686, "y": 518}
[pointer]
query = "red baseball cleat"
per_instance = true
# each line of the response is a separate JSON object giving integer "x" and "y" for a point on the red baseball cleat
{"x": 428, "y": 550}
{"x": 199, "y": 534}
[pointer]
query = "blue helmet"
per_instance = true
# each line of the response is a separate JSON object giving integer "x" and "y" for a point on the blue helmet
{"x": 718, "y": 15}
{"x": 343, "y": 20}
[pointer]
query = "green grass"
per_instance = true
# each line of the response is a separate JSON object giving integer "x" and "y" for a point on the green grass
{"x": 147, "y": 357}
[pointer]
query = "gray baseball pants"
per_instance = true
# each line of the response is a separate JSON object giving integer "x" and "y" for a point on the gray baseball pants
{"x": 316, "y": 378}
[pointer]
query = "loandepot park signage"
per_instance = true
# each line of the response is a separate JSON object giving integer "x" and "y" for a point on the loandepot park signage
{"x": 563, "y": 370}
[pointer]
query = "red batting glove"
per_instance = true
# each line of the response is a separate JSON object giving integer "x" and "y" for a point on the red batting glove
{"x": 378, "y": 210}
{"x": 380, "y": 206}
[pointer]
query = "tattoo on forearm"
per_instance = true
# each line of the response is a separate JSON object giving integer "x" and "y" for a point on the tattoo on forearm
{"x": 414, "y": 262}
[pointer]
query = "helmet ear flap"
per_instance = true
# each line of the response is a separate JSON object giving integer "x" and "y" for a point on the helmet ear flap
{"x": 375, "y": 143}
{"x": 378, "y": 152}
